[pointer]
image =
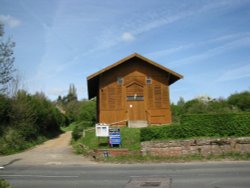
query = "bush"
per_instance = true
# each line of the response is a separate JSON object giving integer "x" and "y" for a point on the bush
{"x": 25, "y": 119}
{"x": 77, "y": 132}
{"x": 4, "y": 110}
{"x": 88, "y": 112}
{"x": 11, "y": 141}
{"x": 201, "y": 125}
{"x": 4, "y": 184}
{"x": 240, "y": 100}
{"x": 219, "y": 124}
{"x": 78, "y": 129}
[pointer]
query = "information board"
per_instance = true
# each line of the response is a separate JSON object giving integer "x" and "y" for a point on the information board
{"x": 114, "y": 136}
{"x": 102, "y": 130}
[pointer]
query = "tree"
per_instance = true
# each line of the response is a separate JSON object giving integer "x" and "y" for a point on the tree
{"x": 72, "y": 96}
{"x": 240, "y": 100}
{"x": 88, "y": 112}
{"x": 6, "y": 61}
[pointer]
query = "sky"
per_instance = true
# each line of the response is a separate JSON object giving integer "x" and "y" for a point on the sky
{"x": 61, "y": 42}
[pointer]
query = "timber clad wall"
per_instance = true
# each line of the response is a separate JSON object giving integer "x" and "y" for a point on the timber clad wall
{"x": 134, "y": 90}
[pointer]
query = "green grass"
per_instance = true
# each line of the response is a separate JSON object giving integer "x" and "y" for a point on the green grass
{"x": 70, "y": 127}
{"x": 130, "y": 140}
{"x": 189, "y": 158}
{"x": 9, "y": 148}
{"x": 4, "y": 184}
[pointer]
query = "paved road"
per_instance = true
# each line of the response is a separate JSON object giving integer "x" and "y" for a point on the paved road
{"x": 53, "y": 152}
{"x": 189, "y": 175}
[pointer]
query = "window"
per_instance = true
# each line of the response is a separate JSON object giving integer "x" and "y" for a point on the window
{"x": 149, "y": 80}
{"x": 119, "y": 80}
{"x": 135, "y": 98}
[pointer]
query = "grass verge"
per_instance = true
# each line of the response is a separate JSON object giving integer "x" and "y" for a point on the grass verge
{"x": 189, "y": 158}
{"x": 4, "y": 184}
{"x": 70, "y": 127}
{"x": 130, "y": 140}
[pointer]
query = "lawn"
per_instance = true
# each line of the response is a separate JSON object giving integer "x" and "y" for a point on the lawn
{"x": 130, "y": 139}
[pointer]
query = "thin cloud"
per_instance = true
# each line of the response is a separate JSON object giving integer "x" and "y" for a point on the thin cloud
{"x": 220, "y": 39}
{"x": 128, "y": 37}
{"x": 10, "y": 21}
{"x": 236, "y": 73}
{"x": 238, "y": 43}
{"x": 130, "y": 29}
{"x": 162, "y": 17}
{"x": 169, "y": 51}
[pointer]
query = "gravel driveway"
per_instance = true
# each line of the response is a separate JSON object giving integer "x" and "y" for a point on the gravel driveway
{"x": 53, "y": 152}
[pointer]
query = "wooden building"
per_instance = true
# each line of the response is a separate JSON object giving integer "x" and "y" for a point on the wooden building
{"x": 134, "y": 89}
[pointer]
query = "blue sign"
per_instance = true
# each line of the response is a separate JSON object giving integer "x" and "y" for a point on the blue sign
{"x": 114, "y": 136}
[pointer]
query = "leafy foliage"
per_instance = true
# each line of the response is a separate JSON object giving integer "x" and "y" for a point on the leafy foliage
{"x": 240, "y": 100}
{"x": 6, "y": 61}
{"x": 26, "y": 119}
{"x": 130, "y": 139}
{"x": 201, "y": 125}
{"x": 88, "y": 112}
{"x": 4, "y": 184}
{"x": 75, "y": 110}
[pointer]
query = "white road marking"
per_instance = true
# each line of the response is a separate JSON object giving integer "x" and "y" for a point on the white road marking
{"x": 37, "y": 176}
{"x": 1, "y": 167}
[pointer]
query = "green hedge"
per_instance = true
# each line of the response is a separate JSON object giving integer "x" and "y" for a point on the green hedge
{"x": 201, "y": 125}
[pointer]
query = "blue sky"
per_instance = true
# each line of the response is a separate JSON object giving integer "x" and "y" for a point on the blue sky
{"x": 59, "y": 42}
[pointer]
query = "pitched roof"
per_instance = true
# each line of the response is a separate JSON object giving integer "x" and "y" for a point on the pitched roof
{"x": 94, "y": 78}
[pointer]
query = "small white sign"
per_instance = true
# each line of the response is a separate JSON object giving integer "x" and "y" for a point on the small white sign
{"x": 102, "y": 130}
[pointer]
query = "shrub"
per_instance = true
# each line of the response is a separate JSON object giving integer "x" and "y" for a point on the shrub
{"x": 78, "y": 129}
{"x": 88, "y": 112}
{"x": 240, "y": 100}
{"x": 219, "y": 124}
{"x": 77, "y": 132}
{"x": 11, "y": 141}
{"x": 25, "y": 118}
{"x": 4, "y": 184}
{"x": 200, "y": 125}
{"x": 4, "y": 112}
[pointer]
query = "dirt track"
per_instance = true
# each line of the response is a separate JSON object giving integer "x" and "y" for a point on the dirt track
{"x": 53, "y": 152}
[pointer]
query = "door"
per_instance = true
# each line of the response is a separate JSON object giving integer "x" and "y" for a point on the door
{"x": 135, "y": 102}
{"x": 136, "y": 110}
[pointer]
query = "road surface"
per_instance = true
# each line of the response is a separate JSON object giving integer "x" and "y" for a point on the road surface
{"x": 184, "y": 175}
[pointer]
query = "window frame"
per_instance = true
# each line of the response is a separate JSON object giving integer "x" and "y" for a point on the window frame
{"x": 148, "y": 80}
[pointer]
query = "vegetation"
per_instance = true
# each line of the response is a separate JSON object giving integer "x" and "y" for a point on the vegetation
{"x": 84, "y": 110}
{"x": 148, "y": 158}
{"x": 238, "y": 102}
{"x": 201, "y": 125}
{"x": 130, "y": 140}
{"x": 26, "y": 120}
{"x": 211, "y": 118}
{"x": 6, "y": 61}
{"x": 4, "y": 184}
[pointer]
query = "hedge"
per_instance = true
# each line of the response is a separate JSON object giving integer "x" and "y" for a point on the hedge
{"x": 201, "y": 125}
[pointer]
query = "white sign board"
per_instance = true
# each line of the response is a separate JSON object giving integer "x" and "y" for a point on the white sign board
{"x": 102, "y": 130}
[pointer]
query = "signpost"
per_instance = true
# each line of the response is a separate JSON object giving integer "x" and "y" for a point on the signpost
{"x": 114, "y": 137}
{"x": 101, "y": 130}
